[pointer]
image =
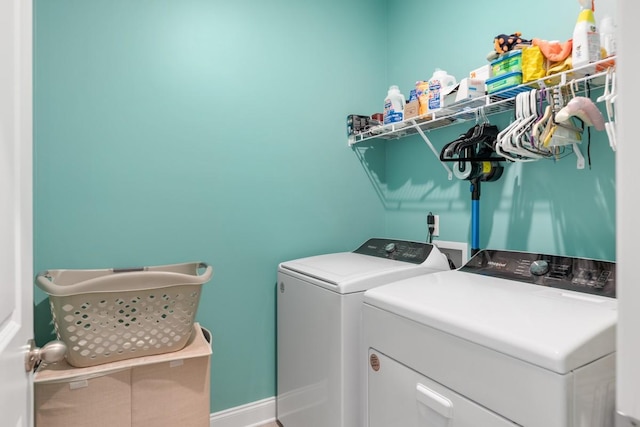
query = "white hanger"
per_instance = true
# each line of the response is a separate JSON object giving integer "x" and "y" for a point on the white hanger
{"x": 504, "y": 143}
{"x": 524, "y": 140}
{"x": 529, "y": 116}
{"x": 502, "y": 135}
{"x": 609, "y": 96}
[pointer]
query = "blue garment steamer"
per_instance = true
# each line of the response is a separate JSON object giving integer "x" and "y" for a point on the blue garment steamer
{"x": 475, "y": 161}
{"x": 475, "y": 216}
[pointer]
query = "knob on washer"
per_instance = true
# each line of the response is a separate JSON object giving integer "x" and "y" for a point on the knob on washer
{"x": 539, "y": 267}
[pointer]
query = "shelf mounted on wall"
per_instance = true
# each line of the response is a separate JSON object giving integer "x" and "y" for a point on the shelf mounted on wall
{"x": 595, "y": 74}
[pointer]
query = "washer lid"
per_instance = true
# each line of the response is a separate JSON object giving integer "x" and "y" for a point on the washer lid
{"x": 556, "y": 329}
{"x": 348, "y": 272}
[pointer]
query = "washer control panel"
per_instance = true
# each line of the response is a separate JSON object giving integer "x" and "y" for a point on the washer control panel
{"x": 575, "y": 274}
{"x": 398, "y": 250}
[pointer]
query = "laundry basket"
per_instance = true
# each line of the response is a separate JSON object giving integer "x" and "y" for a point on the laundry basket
{"x": 116, "y": 314}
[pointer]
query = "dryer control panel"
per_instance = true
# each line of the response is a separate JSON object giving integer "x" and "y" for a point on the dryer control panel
{"x": 575, "y": 274}
{"x": 398, "y": 250}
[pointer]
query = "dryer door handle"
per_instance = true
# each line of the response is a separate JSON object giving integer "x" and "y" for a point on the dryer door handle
{"x": 434, "y": 401}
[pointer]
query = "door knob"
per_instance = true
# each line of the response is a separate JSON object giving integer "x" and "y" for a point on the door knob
{"x": 53, "y": 351}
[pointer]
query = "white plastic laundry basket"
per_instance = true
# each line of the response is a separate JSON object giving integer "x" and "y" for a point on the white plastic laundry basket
{"x": 108, "y": 315}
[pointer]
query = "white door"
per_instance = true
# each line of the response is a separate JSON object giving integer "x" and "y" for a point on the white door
{"x": 627, "y": 208}
{"x": 16, "y": 258}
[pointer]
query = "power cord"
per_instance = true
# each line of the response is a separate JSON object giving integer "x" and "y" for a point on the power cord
{"x": 431, "y": 223}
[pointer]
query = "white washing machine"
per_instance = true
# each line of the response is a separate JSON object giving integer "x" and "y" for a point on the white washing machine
{"x": 321, "y": 359}
{"x": 509, "y": 339}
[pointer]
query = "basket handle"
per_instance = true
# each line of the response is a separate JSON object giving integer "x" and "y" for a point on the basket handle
{"x": 136, "y": 269}
{"x": 128, "y": 270}
{"x": 87, "y": 281}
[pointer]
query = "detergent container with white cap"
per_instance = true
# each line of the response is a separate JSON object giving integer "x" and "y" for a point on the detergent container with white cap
{"x": 394, "y": 105}
{"x": 608, "y": 35}
{"x": 440, "y": 85}
{"x": 586, "y": 40}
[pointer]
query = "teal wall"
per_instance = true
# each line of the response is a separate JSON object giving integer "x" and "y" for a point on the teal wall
{"x": 175, "y": 131}
{"x": 170, "y": 131}
{"x": 544, "y": 206}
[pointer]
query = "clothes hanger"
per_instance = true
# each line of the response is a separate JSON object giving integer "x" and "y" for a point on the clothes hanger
{"x": 502, "y": 136}
{"x": 558, "y": 104}
{"x": 541, "y": 124}
{"x": 448, "y": 150}
{"x": 527, "y": 139}
{"x": 529, "y": 116}
{"x": 502, "y": 145}
{"x": 608, "y": 97}
{"x": 506, "y": 143}
{"x": 523, "y": 138}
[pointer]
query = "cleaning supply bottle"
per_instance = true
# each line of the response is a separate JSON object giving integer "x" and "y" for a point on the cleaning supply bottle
{"x": 608, "y": 35}
{"x": 586, "y": 40}
{"x": 440, "y": 85}
{"x": 394, "y": 105}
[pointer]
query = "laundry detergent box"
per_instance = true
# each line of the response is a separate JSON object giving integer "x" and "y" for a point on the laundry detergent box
{"x": 469, "y": 89}
{"x": 481, "y": 73}
{"x": 411, "y": 109}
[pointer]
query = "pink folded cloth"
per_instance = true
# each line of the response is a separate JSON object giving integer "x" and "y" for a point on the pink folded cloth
{"x": 554, "y": 51}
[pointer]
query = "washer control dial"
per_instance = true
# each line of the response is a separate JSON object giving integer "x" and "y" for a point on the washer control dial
{"x": 390, "y": 248}
{"x": 539, "y": 268}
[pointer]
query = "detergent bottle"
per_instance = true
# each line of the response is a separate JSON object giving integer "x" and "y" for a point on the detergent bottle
{"x": 393, "y": 105}
{"x": 440, "y": 85}
{"x": 586, "y": 40}
{"x": 608, "y": 35}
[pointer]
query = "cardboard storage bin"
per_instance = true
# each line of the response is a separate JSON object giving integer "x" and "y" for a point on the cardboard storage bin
{"x": 165, "y": 390}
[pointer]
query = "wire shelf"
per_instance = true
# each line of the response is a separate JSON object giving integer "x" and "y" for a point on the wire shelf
{"x": 495, "y": 103}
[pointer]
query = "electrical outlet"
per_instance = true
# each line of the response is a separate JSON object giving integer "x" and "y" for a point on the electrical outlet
{"x": 436, "y": 225}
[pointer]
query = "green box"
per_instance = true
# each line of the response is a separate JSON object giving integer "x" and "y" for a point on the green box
{"x": 507, "y": 63}
{"x": 504, "y": 81}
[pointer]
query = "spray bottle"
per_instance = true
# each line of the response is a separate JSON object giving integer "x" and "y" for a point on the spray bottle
{"x": 586, "y": 40}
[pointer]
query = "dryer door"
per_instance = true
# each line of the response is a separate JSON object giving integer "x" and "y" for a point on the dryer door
{"x": 399, "y": 396}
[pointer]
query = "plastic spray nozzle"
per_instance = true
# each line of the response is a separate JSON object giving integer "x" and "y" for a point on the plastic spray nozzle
{"x": 587, "y": 4}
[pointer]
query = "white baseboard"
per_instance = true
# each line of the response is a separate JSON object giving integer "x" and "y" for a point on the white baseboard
{"x": 252, "y": 414}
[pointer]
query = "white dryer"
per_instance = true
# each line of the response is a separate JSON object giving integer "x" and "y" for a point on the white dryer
{"x": 509, "y": 339}
{"x": 321, "y": 359}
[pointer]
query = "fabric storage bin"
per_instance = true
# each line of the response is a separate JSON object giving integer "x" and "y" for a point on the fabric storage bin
{"x": 98, "y": 401}
{"x": 168, "y": 394}
{"x": 164, "y": 390}
{"x": 109, "y": 315}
